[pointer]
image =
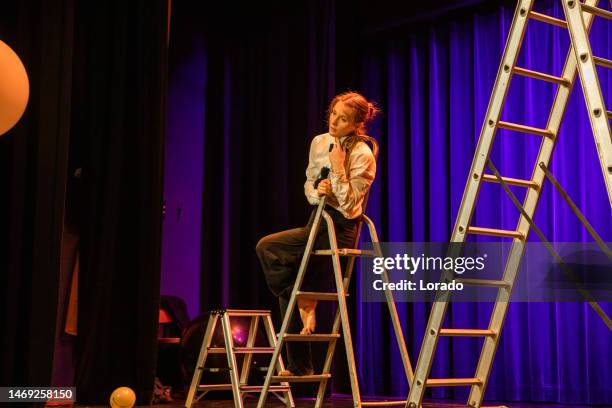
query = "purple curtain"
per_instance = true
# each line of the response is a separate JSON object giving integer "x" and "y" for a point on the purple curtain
{"x": 263, "y": 97}
{"x": 434, "y": 85}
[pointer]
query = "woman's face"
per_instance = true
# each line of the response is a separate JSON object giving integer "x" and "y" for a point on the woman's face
{"x": 341, "y": 120}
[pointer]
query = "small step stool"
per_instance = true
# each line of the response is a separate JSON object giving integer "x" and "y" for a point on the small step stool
{"x": 238, "y": 383}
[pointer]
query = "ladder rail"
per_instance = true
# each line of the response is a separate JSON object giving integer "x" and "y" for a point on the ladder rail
{"x": 466, "y": 208}
{"x": 246, "y": 361}
{"x": 231, "y": 360}
{"x": 280, "y": 366}
{"x": 293, "y": 299}
{"x": 590, "y": 84}
{"x": 197, "y": 372}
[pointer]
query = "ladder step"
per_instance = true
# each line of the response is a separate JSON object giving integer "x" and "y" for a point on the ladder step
{"x": 609, "y": 113}
{"x": 257, "y": 388}
{"x": 345, "y": 252}
{"x": 524, "y": 129}
{"x": 541, "y": 76}
{"x": 214, "y": 369}
{"x": 311, "y": 337}
{"x": 382, "y": 403}
{"x": 484, "y": 282}
{"x": 214, "y": 387}
{"x": 246, "y": 313}
{"x": 603, "y": 62}
{"x": 318, "y": 295}
{"x": 596, "y": 11}
{"x": 547, "y": 19}
{"x": 452, "y": 382}
{"x": 243, "y": 350}
{"x": 511, "y": 181}
{"x": 495, "y": 232}
{"x": 466, "y": 332}
{"x": 301, "y": 378}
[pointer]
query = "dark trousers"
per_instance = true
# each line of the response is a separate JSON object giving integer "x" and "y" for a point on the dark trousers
{"x": 280, "y": 255}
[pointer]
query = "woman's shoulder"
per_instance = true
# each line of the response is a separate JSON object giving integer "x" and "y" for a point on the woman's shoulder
{"x": 322, "y": 137}
{"x": 363, "y": 146}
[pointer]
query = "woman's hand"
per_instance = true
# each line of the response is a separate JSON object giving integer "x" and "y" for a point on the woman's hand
{"x": 324, "y": 188}
{"x": 336, "y": 158}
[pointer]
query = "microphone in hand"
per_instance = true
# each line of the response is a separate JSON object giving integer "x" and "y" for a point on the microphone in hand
{"x": 324, "y": 174}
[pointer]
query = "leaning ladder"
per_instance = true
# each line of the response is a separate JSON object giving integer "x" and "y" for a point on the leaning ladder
{"x": 238, "y": 376}
{"x": 341, "y": 318}
{"x": 580, "y": 58}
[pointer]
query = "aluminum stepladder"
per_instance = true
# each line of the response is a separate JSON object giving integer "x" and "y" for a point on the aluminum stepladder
{"x": 341, "y": 318}
{"x": 578, "y": 20}
{"x": 238, "y": 377}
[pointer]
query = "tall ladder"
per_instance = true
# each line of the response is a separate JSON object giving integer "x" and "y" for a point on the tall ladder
{"x": 579, "y": 18}
{"x": 342, "y": 282}
{"x": 238, "y": 377}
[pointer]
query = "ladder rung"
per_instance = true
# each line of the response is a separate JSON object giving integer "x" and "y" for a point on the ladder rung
{"x": 214, "y": 387}
{"x": 609, "y": 113}
{"x": 301, "y": 378}
{"x": 541, "y": 76}
{"x": 345, "y": 252}
{"x": 311, "y": 337}
{"x": 257, "y": 388}
{"x": 382, "y": 403}
{"x": 484, "y": 282}
{"x": 243, "y": 350}
{"x": 511, "y": 181}
{"x": 318, "y": 295}
{"x": 547, "y": 19}
{"x": 524, "y": 129}
{"x": 466, "y": 332}
{"x": 597, "y": 11}
{"x": 452, "y": 382}
{"x": 247, "y": 313}
{"x": 214, "y": 369}
{"x": 603, "y": 62}
{"x": 495, "y": 232}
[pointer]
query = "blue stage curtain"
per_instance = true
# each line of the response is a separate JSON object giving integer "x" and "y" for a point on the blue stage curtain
{"x": 434, "y": 84}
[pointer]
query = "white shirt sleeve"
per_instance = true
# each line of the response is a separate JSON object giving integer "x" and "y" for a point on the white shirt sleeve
{"x": 312, "y": 172}
{"x": 350, "y": 191}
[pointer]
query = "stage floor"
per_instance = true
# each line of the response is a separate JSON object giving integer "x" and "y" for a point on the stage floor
{"x": 341, "y": 402}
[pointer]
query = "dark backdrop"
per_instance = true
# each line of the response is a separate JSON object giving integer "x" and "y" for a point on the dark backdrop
{"x": 97, "y": 95}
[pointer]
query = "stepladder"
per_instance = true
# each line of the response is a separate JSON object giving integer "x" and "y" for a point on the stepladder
{"x": 238, "y": 374}
{"x": 580, "y": 59}
{"x": 341, "y": 324}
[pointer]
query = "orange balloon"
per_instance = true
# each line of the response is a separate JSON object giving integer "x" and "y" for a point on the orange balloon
{"x": 14, "y": 88}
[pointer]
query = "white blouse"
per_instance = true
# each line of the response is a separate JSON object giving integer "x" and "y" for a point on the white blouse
{"x": 349, "y": 186}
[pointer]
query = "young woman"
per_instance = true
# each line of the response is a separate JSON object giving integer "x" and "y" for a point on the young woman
{"x": 352, "y": 169}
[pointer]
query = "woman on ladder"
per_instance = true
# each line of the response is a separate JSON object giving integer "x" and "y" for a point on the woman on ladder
{"x": 351, "y": 166}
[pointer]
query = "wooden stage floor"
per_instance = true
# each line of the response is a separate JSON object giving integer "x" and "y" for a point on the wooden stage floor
{"x": 341, "y": 402}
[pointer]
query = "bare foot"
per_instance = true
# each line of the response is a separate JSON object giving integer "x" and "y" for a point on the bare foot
{"x": 308, "y": 315}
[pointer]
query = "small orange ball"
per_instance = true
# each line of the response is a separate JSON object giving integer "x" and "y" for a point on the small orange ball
{"x": 123, "y": 397}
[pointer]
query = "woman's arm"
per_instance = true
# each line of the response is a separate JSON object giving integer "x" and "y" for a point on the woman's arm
{"x": 312, "y": 172}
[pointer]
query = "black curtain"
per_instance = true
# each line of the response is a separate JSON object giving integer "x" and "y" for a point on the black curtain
{"x": 97, "y": 76}
{"x": 32, "y": 179}
{"x": 118, "y": 129}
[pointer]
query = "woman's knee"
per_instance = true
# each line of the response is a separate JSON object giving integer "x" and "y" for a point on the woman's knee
{"x": 262, "y": 246}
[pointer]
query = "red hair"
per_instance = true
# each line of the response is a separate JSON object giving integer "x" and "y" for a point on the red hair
{"x": 363, "y": 110}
